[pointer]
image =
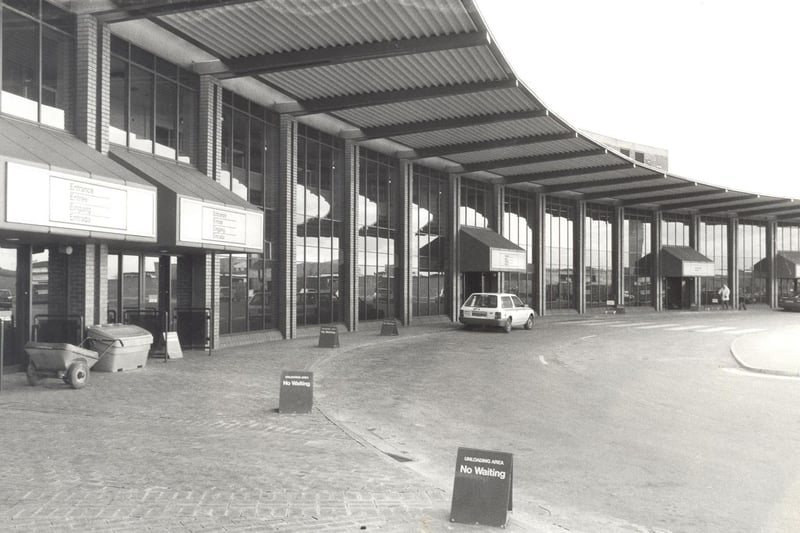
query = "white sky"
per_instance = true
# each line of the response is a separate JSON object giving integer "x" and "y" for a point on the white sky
{"x": 715, "y": 82}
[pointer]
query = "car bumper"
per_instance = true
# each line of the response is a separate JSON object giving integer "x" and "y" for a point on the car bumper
{"x": 480, "y": 321}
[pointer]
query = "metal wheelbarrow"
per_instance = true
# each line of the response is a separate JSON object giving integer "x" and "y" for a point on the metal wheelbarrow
{"x": 67, "y": 362}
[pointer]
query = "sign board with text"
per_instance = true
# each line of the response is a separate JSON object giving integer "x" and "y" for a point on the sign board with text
{"x": 54, "y": 199}
{"x": 328, "y": 337}
{"x": 502, "y": 260}
{"x": 482, "y": 489}
{"x": 697, "y": 268}
{"x": 389, "y": 327}
{"x": 205, "y": 223}
{"x": 297, "y": 392}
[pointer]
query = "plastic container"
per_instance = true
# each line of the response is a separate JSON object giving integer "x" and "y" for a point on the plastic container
{"x": 122, "y": 346}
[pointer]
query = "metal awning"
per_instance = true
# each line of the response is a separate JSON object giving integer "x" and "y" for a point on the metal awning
{"x": 194, "y": 210}
{"x": 423, "y": 81}
{"x": 53, "y": 183}
{"x": 483, "y": 250}
{"x": 787, "y": 265}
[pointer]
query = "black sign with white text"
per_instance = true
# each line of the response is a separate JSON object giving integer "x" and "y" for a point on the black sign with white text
{"x": 389, "y": 328}
{"x": 328, "y": 337}
{"x": 297, "y": 392}
{"x": 482, "y": 487}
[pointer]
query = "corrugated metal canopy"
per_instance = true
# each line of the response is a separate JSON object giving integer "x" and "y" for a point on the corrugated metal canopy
{"x": 426, "y": 76}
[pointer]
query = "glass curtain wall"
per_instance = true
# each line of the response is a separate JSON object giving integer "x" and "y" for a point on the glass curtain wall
{"x": 636, "y": 258}
{"x": 377, "y": 234}
{"x": 518, "y": 228}
{"x": 674, "y": 230}
{"x": 475, "y": 204}
{"x": 249, "y": 142}
{"x": 320, "y": 220}
{"x": 787, "y": 239}
{"x": 154, "y": 104}
{"x": 428, "y": 247}
{"x": 38, "y": 69}
{"x": 559, "y": 237}
{"x": 752, "y": 250}
{"x": 713, "y": 243}
{"x": 598, "y": 255}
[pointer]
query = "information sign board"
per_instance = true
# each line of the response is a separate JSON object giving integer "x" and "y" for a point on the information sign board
{"x": 328, "y": 337}
{"x": 297, "y": 392}
{"x": 482, "y": 489}
{"x": 389, "y": 327}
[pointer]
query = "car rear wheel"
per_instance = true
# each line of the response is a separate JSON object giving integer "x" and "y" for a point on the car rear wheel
{"x": 507, "y": 326}
{"x": 529, "y": 322}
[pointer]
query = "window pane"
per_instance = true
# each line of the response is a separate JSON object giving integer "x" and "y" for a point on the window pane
{"x": 20, "y": 66}
{"x": 141, "y": 126}
{"x": 187, "y": 126}
{"x": 166, "y": 117}
{"x": 57, "y": 81}
{"x": 240, "y": 154}
{"x": 119, "y": 102}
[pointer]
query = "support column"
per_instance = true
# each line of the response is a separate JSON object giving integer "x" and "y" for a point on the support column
{"x": 454, "y": 267}
{"x": 694, "y": 242}
{"x": 101, "y": 284}
{"x": 656, "y": 282}
{"x": 87, "y": 77}
{"x": 579, "y": 256}
{"x": 406, "y": 241}
{"x": 772, "y": 281}
{"x": 209, "y": 128}
{"x": 351, "y": 281}
{"x": 498, "y": 203}
{"x": 618, "y": 237}
{"x": 287, "y": 265}
{"x": 733, "y": 261}
{"x": 539, "y": 268}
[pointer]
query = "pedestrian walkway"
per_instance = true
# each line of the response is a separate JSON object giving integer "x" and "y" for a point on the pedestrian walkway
{"x": 769, "y": 352}
{"x": 652, "y": 324}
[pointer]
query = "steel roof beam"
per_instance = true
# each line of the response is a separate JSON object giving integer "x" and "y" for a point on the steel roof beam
{"x": 352, "y": 101}
{"x": 253, "y": 65}
{"x": 630, "y": 192}
{"x": 555, "y": 174}
{"x": 730, "y": 197}
{"x": 787, "y": 217}
{"x": 668, "y": 197}
{"x": 113, "y": 11}
{"x": 479, "y": 146}
{"x": 529, "y": 160}
{"x": 393, "y": 130}
{"x": 739, "y": 207}
{"x": 773, "y": 210}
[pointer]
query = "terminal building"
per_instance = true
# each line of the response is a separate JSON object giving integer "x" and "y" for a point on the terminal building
{"x": 247, "y": 170}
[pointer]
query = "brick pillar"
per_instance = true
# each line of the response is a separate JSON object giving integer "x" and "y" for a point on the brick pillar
{"x": 579, "y": 256}
{"x": 405, "y": 241}
{"x": 454, "y": 265}
{"x": 103, "y": 89}
{"x": 287, "y": 266}
{"x": 657, "y": 291}
{"x": 204, "y": 274}
{"x": 86, "y": 83}
{"x": 209, "y": 147}
{"x": 351, "y": 241}
{"x": 617, "y": 259}
{"x": 101, "y": 284}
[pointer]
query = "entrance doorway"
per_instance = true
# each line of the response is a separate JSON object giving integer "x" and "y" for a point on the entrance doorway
{"x": 678, "y": 293}
{"x": 478, "y": 282}
{"x": 13, "y": 354}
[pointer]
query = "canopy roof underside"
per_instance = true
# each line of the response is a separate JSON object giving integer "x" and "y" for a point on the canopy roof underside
{"x": 427, "y": 80}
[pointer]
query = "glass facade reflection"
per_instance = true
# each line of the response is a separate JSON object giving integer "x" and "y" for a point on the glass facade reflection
{"x": 319, "y": 218}
{"x": 787, "y": 239}
{"x": 597, "y": 252}
{"x": 475, "y": 204}
{"x": 636, "y": 265}
{"x": 559, "y": 257}
{"x": 752, "y": 249}
{"x": 674, "y": 230}
{"x": 518, "y": 228}
{"x": 377, "y": 234}
{"x": 428, "y": 246}
{"x": 38, "y": 73}
{"x": 154, "y": 103}
{"x": 713, "y": 243}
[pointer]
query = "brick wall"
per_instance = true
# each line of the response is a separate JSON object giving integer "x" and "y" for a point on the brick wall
{"x": 85, "y": 116}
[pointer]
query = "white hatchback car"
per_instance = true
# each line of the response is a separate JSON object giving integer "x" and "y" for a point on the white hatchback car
{"x": 496, "y": 309}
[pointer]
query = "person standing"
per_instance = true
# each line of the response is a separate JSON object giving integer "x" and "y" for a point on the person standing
{"x": 725, "y": 295}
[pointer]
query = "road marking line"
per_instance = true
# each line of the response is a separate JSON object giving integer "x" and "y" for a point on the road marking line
{"x": 657, "y": 326}
{"x": 743, "y": 331}
{"x": 716, "y": 330}
{"x": 587, "y": 337}
{"x": 749, "y": 373}
{"x": 629, "y": 325}
{"x": 684, "y": 328}
{"x": 541, "y": 358}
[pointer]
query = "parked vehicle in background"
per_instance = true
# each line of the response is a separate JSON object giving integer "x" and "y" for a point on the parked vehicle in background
{"x": 6, "y": 299}
{"x": 496, "y": 309}
{"x": 791, "y": 303}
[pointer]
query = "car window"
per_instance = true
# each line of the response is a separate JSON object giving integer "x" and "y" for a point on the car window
{"x": 489, "y": 300}
{"x": 517, "y": 301}
{"x": 507, "y": 303}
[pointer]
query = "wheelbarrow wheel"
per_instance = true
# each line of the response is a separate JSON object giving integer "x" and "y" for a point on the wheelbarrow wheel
{"x": 33, "y": 375}
{"x": 78, "y": 374}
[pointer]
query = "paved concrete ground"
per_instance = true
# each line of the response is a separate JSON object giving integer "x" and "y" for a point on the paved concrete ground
{"x": 770, "y": 352}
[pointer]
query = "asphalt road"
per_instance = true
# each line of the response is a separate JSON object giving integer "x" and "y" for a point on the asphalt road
{"x": 616, "y": 423}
